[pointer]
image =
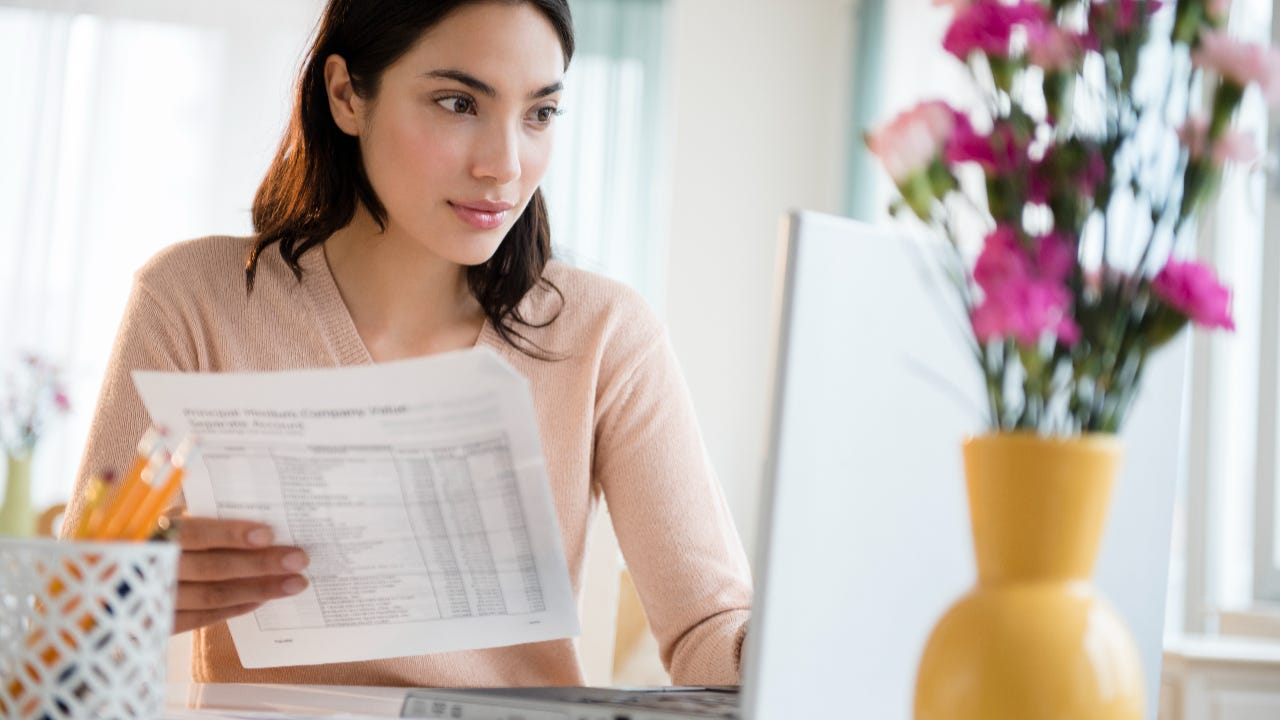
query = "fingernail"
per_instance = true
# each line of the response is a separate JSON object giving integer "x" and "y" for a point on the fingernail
{"x": 293, "y": 561}
{"x": 259, "y": 537}
{"x": 293, "y": 585}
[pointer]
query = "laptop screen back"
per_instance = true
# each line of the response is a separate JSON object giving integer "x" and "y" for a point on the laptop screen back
{"x": 864, "y": 525}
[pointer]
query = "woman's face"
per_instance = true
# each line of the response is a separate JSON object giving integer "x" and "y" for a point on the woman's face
{"x": 460, "y": 131}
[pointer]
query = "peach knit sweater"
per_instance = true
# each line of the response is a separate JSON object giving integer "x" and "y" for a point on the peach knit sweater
{"x": 614, "y": 415}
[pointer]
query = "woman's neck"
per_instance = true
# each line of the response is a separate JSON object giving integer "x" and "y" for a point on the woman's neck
{"x": 404, "y": 300}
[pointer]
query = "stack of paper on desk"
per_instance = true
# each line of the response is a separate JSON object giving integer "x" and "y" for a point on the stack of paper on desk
{"x": 256, "y": 715}
{"x": 417, "y": 487}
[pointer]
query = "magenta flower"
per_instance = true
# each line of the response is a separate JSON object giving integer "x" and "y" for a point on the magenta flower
{"x": 29, "y": 397}
{"x": 987, "y": 26}
{"x": 1122, "y": 17}
{"x": 1026, "y": 310}
{"x": 997, "y": 153}
{"x": 1192, "y": 289}
{"x": 1074, "y": 170}
{"x": 1240, "y": 63}
{"x": 1056, "y": 257}
{"x": 1129, "y": 13}
{"x": 1002, "y": 260}
{"x": 1022, "y": 299}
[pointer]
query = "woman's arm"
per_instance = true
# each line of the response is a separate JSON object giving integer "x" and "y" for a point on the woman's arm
{"x": 671, "y": 517}
{"x": 148, "y": 339}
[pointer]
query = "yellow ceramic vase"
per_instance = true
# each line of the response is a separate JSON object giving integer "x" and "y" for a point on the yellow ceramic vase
{"x": 1033, "y": 640}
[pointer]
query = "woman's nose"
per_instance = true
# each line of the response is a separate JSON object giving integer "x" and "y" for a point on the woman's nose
{"x": 497, "y": 155}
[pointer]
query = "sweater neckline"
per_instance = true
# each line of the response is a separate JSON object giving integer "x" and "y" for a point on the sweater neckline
{"x": 335, "y": 321}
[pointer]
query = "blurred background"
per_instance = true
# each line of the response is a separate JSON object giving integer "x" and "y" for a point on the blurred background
{"x": 692, "y": 126}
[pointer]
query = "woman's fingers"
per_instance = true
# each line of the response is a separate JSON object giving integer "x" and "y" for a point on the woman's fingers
{"x": 211, "y": 565}
{"x": 228, "y": 568}
{"x": 186, "y": 620}
{"x": 204, "y": 596}
{"x": 201, "y": 533}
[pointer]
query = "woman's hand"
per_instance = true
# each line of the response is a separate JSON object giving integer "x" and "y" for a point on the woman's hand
{"x": 230, "y": 567}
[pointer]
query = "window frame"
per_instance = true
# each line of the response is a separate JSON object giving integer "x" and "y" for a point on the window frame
{"x": 1266, "y": 559}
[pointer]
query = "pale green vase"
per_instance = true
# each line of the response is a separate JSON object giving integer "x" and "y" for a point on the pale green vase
{"x": 17, "y": 516}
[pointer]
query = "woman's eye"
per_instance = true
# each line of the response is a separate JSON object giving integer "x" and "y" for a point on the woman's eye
{"x": 459, "y": 105}
{"x": 544, "y": 115}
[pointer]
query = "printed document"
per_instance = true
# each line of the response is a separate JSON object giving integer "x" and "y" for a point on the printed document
{"x": 417, "y": 487}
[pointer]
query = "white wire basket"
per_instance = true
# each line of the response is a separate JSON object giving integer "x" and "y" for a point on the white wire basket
{"x": 84, "y": 628}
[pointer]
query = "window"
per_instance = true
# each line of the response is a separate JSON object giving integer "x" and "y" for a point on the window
{"x": 114, "y": 155}
{"x": 1230, "y": 533}
{"x": 606, "y": 188}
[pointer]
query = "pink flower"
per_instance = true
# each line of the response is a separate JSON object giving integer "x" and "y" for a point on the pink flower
{"x": 1052, "y": 48}
{"x": 1021, "y": 299}
{"x": 1194, "y": 135}
{"x": 1192, "y": 289}
{"x": 1240, "y": 63}
{"x": 1217, "y": 10}
{"x": 1234, "y": 145}
{"x": 987, "y": 26}
{"x": 915, "y": 138}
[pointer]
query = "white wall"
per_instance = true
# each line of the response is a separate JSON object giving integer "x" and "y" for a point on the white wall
{"x": 760, "y": 106}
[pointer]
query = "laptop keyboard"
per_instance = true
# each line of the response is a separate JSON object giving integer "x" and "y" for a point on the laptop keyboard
{"x": 713, "y": 703}
{"x": 709, "y": 703}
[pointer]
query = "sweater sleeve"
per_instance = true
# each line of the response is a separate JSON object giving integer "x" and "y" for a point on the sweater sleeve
{"x": 671, "y": 518}
{"x": 149, "y": 338}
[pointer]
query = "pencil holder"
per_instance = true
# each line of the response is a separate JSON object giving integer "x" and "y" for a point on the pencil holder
{"x": 84, "y": 628}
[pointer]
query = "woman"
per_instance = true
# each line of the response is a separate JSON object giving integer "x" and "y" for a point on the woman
{"x": 401, "y": 217}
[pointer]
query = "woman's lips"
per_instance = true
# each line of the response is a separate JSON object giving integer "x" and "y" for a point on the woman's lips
{"x": 482, "y": 215}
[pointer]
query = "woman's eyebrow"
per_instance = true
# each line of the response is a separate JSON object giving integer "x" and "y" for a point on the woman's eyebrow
{"x": 485, "y": 88}
{"x": 554, "y": 87}
{"x": 470, "y": 81}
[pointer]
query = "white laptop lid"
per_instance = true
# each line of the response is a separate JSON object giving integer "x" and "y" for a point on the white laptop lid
{"x": 864, "y": 526}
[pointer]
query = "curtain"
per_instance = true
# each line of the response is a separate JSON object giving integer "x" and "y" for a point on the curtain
{"x": 607, "y": 191}
{"x": 137, "y": 124}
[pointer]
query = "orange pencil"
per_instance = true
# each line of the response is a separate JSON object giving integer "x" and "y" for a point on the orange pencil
{"x": 105, "y": 526}
{"x": 94, "y": 494}
{"x": 132, "y": 496}
{"x": 144, "y": 521}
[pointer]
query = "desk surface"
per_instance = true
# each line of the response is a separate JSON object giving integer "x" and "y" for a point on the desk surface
{"x": 224, "y": 701}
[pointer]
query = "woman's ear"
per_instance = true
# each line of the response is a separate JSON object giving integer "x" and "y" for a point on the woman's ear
{"x": 343, "y": 101}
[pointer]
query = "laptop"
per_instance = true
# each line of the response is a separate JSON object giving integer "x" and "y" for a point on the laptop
{"x": 864, "y": 533}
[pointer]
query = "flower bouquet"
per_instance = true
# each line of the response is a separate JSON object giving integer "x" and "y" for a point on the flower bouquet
{"x": 1084, "y": 170}
{"x": 1066, "y": 202}
{"x": 32, "y": 394}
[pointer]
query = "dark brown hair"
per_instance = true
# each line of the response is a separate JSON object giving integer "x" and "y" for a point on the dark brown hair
{"x": 317, "y": 177}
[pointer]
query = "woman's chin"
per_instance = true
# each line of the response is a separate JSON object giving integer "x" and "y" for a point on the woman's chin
{"x": 474, "y": 253}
